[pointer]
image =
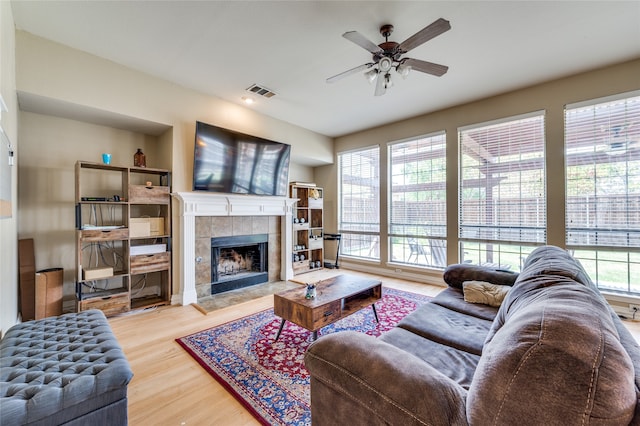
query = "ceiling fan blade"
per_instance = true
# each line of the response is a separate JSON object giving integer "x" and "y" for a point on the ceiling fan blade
{"x": 380, "y": 89}
{"x": 436, "y": 28}
{"x": 349, "y": 72}
{"x": 362, "y": 41}
{"x": 427, "y": 67}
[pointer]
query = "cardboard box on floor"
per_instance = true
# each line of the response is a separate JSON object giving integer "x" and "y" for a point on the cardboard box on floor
{"x": 41, "y": 292}
{"x": 49, "y": 292}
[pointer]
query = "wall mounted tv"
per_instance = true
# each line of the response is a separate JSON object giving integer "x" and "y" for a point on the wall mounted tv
{"x": 232, "y": 162}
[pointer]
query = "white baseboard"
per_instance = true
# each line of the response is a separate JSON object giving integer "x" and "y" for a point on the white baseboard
{"x": 620, "y": 304}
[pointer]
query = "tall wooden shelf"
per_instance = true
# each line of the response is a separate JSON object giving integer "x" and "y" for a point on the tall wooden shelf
{"x": 308, "y": 228}
{"x": 123, "y": 250}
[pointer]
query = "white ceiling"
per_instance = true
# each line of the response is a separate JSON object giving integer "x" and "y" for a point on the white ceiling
{"x": 291, "y": 47}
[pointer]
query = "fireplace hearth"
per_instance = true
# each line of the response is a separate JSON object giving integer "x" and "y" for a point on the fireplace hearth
{"x": 238, "y": 261}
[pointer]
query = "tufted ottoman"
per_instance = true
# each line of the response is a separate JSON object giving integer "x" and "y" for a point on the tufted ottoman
{"x": 63, "y": 370}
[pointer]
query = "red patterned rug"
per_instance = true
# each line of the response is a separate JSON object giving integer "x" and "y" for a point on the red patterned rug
{"x": 269, "y": 378}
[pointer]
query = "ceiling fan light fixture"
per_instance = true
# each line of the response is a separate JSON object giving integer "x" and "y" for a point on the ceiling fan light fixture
{"x": 387, "y": 81}
{"x": 403, "y": 70}
{"x": 371, "y": 75}
{"x": 385, "y": 64}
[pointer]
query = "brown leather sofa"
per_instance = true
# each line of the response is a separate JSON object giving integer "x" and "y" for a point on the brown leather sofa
{"x": 554, "y": 353}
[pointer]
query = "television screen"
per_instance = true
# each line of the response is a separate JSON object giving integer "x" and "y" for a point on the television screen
{"x": 232, "y": 162}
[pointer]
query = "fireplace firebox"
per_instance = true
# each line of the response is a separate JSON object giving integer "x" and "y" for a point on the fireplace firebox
{"x": 238, "y": 261}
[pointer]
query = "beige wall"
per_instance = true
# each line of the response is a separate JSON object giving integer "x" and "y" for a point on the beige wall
{"x": 54, "y": 71}
{"x": 9, "y": 119}
{"x": 46, "y": 194}
{"x": 550, "y": 97}
{"x": 89, "y": 86}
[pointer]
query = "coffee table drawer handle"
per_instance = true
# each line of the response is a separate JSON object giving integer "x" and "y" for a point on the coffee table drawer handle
{"x": 328, "y": 313}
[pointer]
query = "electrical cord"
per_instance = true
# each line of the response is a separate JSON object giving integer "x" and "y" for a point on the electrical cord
{"x": 142, "y": 280}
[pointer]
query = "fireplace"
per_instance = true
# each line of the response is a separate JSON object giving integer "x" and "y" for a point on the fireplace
{"x": 189, "y": 259}
{"x": 238, "y": 261}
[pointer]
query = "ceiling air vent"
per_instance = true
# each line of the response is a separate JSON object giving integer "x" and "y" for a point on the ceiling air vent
{"x": 260, "y": 90}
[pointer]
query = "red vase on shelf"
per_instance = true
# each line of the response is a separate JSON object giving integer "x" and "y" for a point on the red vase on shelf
{"x": 139, "y": 159}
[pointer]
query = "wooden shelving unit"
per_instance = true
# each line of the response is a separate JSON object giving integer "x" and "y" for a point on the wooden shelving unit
{"x": 308, "y": 244}
{"x": 123, "y": 252}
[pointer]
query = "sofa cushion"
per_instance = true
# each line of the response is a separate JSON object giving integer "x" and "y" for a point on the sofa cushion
{"x": 555, "y": 338}
{"x": 452, "y": 298}
{"x": 456, "y": 364}
{"x": 442, "y": 325}
{"x": 360, "y": 379}
{"x": 484, "y": 293}
{"x": 554, "y": 261}
{"x": 456, "y": 274}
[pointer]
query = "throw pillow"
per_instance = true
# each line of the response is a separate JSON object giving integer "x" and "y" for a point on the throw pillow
{"x": 484, "y": 292}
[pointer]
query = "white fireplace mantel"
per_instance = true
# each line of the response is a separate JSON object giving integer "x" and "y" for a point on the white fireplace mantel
{"x": 193, "y": 204}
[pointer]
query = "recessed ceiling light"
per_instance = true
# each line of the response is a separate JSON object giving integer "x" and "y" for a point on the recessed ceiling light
{"x": 247, "y": 100}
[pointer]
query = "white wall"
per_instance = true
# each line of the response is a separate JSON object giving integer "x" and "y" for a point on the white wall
{"x": 8, "y": 227}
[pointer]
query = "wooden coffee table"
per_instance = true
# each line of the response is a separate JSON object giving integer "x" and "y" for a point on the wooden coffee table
{"x": 336, "y": 298}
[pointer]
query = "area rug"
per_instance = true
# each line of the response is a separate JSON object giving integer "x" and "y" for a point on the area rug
{"x": 269, "y": 378}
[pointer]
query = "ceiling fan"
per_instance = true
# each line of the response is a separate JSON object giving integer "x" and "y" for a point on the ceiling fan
{"x": 388, "y": 55}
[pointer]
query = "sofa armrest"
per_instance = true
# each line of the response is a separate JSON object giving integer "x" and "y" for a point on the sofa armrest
{"x": 356, "y": 378}
{"x": 454, "y": 275}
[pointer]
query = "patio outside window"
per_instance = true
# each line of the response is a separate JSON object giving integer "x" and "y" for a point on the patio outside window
{"x": 602, "y": 152}
{"x": 502, "y": 191}
{"x": 418, "y": 210}
{"x": 359, "y": 198}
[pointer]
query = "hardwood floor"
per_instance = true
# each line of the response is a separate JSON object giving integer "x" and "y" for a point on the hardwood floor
{"x": 170, "y": 388}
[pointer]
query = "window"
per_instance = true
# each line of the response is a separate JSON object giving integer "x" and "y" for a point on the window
{"x": 418, "y": 211}
{"x": 359, "y": 214}
{"x": 602, "y": 154}
{"x": 502, "y": 194}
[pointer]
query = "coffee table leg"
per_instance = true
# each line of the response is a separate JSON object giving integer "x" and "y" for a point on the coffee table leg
{"x": 280, "y": 329}
{"x": 314, "y": 335}
{"x": 375, "y": 313}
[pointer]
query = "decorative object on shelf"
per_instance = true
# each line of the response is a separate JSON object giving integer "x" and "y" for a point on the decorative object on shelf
{"x": 106, "y": 158}
{"x": 295, "y": 220}
{"x": 311, "y": 291}
{"x": 139, "y": 159}
{"x": 315, "y": 194}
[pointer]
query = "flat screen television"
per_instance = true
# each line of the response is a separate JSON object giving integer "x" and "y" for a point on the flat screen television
{"x": 232, "y": 162}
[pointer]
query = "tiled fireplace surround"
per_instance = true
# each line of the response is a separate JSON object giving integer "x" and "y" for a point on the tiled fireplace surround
{"x": 201, "y": 216}
{"x": 221, "y": 226}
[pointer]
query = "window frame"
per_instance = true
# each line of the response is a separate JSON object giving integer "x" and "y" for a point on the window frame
{"x": 363, "y": 240}
{"x": 414, "y": 246}
{"x": 509, "y": 250}
{"x": 612, "y": 265}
